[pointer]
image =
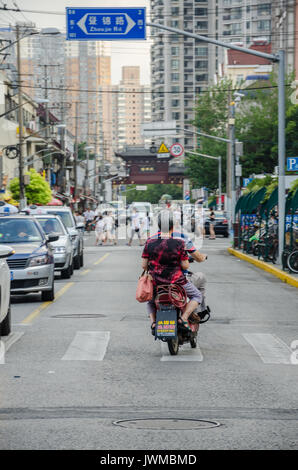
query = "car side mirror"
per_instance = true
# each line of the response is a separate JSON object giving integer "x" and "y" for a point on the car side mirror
{"x": 6, "y": 251}
{"x": 52, "y": 237}
{"x": 80, "y": 225}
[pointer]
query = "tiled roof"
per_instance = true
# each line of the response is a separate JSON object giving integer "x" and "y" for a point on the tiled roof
{"x": 242, "y": 58}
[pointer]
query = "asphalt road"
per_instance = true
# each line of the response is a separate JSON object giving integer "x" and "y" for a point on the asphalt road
{"x": 76, "y": 366}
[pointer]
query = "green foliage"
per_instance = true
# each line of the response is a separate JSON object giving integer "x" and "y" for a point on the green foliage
{"x": 153, "y": 193}
{"x": 256, "y": 125}
{"x": 294, "y": 186}
{"x": 82, "y": 154}
{"x": 37, "y": 192}
{"x": 211, "y": 118}
{"x": 258, "y": 183}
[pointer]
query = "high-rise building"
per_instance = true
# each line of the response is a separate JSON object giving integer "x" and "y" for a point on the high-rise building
{"x": 284, "y": 32}
{"x": 181, "y": 66}
{"x": 244, "y": 20}
{"x": 131, "y": 106}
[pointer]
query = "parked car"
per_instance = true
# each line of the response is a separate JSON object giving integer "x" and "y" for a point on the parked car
{"x": 5, "y": 315}
{"x": 63, "y": 248}
{"x": 76, "y": 231}
{"x": 32, "y": 264}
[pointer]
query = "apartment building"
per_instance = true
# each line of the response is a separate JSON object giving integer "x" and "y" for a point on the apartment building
{"x": 284, "y": 32}
{"x": 244, "y": 20}
{"x": 181, "y": 67}
{"x": 131, "y": 106}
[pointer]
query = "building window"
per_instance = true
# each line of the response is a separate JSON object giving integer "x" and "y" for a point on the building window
{"x": 175, "y": 11}
{"x": 201, "y": 51}
{"x": 201, "y": 24}
{"x": 264, "y": 9}
{"x": 176, "y": 116}
{"x": 264, "y": 25}
{"x": 175, "y": 64}
{"x": 175, "y": 77}
{"x": 175, "y": 50}
{"x": 201, "y": 11}
{"x": 175, "y": 103}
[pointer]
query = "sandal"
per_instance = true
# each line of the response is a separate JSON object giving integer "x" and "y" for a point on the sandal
{"x": 184, "y": 324}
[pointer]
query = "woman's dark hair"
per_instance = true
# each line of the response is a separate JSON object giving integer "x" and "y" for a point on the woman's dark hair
{"x": 165, "y": 221}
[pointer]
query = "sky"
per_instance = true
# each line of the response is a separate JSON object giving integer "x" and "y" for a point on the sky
{"x": 123, "y": 52}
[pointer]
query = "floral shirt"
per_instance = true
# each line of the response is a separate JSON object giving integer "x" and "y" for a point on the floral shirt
{"x": 165, "y": 256}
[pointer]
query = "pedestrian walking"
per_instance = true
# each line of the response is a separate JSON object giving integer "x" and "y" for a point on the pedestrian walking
{"x": 99, "y": 230}
{"x": 135, "y": 226}
{"x": 145, "y": 227}
{"x": 108, "y": 227}
{"x": 211, "y": 225}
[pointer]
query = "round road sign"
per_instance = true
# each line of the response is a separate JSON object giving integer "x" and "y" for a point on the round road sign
{"x": 176, "y": 150}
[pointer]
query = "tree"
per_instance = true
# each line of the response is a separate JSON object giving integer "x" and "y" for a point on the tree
{"x": 211, "y": 117}
{"x": 256, "y": 125}
{"x": 153, "y": 193}
{"x": 38, "y": 191}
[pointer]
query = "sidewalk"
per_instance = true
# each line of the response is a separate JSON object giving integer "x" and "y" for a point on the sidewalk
{"x": 291, "y": 279}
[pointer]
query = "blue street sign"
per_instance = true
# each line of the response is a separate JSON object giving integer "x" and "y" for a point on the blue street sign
{"x": 104, "y": 24}
{"x": 246, "y": 181}
{"x": 292, "y": 164}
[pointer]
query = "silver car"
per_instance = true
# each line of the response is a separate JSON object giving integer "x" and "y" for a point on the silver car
{"x": 5, "y": 317}
{"x": 63, "y": 248}
{"x": 76, "y": 231}
{"x": 32, "y": 264}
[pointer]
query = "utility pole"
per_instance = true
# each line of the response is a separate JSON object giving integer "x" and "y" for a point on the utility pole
{"x": 76, "y": 155}
{"x": 95, "y": 181}
{"x": 232, "y": 130}
{"x": 20, "y": 119}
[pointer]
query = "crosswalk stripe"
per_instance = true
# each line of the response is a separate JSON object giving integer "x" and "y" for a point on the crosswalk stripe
{"x": 88, "y": 346}
{"x": 186, "y": 354}
{"x": 270, "y": 348}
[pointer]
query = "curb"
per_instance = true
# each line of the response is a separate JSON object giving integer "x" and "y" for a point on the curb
{"x": 293, "y": 281}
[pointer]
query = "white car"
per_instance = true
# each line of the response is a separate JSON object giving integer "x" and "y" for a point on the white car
{"x": 5, "y": 318}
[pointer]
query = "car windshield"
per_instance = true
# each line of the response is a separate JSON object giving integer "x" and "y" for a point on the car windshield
{"x": 66, "y": 218}
{"x": 19, "y": 231}
{"x": 51, "y": 225}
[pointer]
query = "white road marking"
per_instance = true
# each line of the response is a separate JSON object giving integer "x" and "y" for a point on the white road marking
{"x": 11, "y": 339}
{"x": 270, "y": 348}
{"x": 88, "y": 346}
{"x": 186, "y": 354}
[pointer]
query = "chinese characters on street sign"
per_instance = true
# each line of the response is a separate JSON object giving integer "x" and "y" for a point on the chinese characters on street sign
{"x": 105, "y": 23}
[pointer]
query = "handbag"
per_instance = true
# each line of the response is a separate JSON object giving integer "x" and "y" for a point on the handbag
{"x": 144, "y": 288}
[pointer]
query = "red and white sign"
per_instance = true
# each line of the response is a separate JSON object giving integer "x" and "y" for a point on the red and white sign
{"x": 176, "y": 150}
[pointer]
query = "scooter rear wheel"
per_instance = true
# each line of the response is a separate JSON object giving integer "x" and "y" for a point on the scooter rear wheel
{"x": 173, "y": 345}
{"x": 193, "y": 343}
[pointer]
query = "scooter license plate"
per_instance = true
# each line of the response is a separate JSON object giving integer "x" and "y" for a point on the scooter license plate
{"x": 166, "y": 322}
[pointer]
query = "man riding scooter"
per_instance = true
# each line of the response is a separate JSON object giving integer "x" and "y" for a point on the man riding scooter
{"x": 165, "y": 258}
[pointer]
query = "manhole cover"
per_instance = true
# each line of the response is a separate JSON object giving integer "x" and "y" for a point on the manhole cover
{"x": 80, "y": 315}
{"x": 165, "y": 424}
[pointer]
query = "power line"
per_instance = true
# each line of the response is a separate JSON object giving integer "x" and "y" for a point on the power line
{"x": 141, "y": 92}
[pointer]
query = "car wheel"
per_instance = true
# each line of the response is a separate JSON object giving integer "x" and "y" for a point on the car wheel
{"x": 48, "y": 295}
{"x": 226, "y": 235}
{"x": 72, "y": 268}
{"x": 76, "y": 262}
{"x": 66, "y": 273}
{"x": 82, "y": 259}
{"x": 5, "y": 326}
